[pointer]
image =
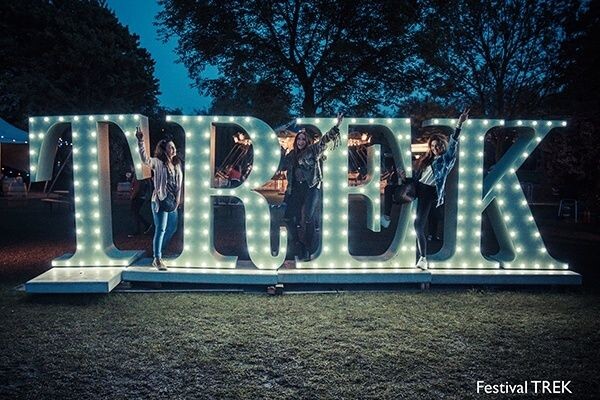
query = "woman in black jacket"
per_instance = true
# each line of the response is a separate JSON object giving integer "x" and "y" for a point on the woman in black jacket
{"x": 303, "y": 193}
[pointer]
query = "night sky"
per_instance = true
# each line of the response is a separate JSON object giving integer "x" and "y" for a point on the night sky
{"x": 175, "y": 85}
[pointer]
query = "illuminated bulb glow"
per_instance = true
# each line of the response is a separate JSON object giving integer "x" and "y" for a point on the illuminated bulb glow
{"x": 470, "y": 177}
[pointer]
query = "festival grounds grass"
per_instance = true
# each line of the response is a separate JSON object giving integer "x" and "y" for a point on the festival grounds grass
{"x": 403, "y": 344}
{"x": 432, "y": 344}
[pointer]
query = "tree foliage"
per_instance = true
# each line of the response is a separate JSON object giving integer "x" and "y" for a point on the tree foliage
{"x": 264, "y": 100}
{"x": 572, "y": 160}
{"x": 70, "y": 56}
{"x": 578, "y": 65}
{"x": 336, "y": 52}
{"x": 496, "y": 55}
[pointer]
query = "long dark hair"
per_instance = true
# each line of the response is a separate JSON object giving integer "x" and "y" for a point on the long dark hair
{"x": 427, "y": 159}
{"x": 295, "y": 150}
{"x": 160, "y": 152}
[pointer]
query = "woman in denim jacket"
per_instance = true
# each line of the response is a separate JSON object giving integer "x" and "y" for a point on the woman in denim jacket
{"x": 303, "y": 193}
{"x": 431, "y": 173}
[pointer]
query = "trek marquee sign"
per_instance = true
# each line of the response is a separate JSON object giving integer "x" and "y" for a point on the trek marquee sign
{"x": 498, "y": 193}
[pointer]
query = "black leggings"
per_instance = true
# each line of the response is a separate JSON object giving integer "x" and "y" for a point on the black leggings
{"x": 301, "y": 215}
{"x": 427, "y": 196}
{"x": 388, "y": 198}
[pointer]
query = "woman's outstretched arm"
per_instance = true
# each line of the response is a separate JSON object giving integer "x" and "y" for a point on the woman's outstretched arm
{"x": 451, "y": 151}
{"x": 463, "y": 117}
{"x": 318, "y": 148}
{"x": 147, "y": 161}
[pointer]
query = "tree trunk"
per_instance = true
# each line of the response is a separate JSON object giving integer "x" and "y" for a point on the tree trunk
{"x": 308, "y": 104}
{"x": 500, "y": 100}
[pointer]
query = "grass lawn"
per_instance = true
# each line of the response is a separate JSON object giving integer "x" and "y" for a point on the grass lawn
{"x": 432, "y": 344}
{"x": 406, "y": 344}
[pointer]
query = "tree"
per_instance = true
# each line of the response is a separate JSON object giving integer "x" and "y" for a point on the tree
{"x": 578, "y": 66}
{"x": 496, "y": 55}
{"x": 70, "y": 57}
{"x": 572, "y": 160}
{"x": 262, "y": 100}
{"x": 351, "y": 53}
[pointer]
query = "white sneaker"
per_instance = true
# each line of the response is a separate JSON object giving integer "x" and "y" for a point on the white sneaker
{"x": 385, "y": 221}
{"x": 422, "y": 263}
{"x": 159, "y": 264}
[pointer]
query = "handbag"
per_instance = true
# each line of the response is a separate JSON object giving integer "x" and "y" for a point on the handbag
{"x": 167, "y": 204}
{"x": 405, "y": 192}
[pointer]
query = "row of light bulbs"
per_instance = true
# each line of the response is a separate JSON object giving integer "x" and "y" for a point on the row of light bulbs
{"x": 326, "y": 216}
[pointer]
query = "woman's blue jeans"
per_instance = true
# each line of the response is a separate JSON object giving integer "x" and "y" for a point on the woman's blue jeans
{"x": 165, "y": 225}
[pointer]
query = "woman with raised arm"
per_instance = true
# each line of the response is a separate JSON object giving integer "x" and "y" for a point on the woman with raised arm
{"x": 303, "y": 193}
{"x": 430, "y": 178}
{"x": 166, "y": 196}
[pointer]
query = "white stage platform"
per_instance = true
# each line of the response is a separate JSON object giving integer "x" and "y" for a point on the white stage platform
{"x": 244, "y": 274}
{"x": 237, "y": 276}
{"x": 105, "y": 279}
{"x": 352, "y": 276}
{"x": 76, "y": 280}
{"x": 503, "y": 277}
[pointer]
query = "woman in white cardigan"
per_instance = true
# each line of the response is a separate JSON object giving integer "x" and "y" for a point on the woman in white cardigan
{"x": 166, "y": 196}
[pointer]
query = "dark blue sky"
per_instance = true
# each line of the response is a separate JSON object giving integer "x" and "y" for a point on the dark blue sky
{"x": 138, "y": 16}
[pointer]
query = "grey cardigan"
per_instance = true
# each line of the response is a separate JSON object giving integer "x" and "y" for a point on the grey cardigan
{"x": 160, "y": 174}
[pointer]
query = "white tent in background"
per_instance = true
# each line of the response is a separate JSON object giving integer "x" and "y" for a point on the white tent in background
{"x": 14, "y": 144}
{"x": 11, "y": 134}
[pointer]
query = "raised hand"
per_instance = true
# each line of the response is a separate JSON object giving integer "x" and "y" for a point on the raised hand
{"x": 464, "y": 116}
{"x": 138, "y": 133}
{"x": 340, "y": 118}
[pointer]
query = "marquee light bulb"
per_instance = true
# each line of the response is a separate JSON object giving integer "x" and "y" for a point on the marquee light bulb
{"x": 470, "y": 177}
